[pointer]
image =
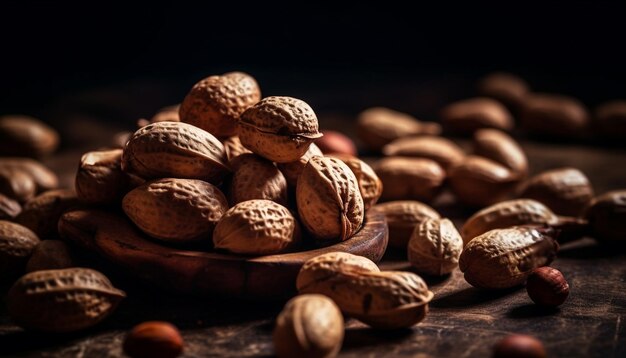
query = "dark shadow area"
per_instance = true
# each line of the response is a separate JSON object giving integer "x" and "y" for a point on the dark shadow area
{"x": 469, "y": 297}
{"x": 532, "y": 310}
{"x": 588, "y": 248}
{"x": 366, "y": 337}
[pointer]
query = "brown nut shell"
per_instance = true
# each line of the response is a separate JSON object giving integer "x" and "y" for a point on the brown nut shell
{"x": 256, "y": 227}
{"x": 175, "y": 149}
{"x": 469, "y": 115}
{"x": 309, "y": 326}
{"x": 42, "y": 213}
{"x": 292, "y": 170}
{"x": 154, "y": 339}
{"x": 370, "y": 185}
{"x": 9, "y": 208}
{"x": 233, "y": 148}
{"x": 506, "y": 214}
{"x": 567, "y": 191}
{"x": 402, "y": 217}
{"x": 279, "y": 128}
{"x": 100, "y": 179}
{"x": 215, "y": 103}
{"x": 17, "y": 243}
{"x": 444, "y": 151}
{"x": 607, "y": 216}
{"x": 504, "y": 87}
{"x": 17, "y": 184}
{"x": 334, "y": 142}
{"x": 26, "y": 136}
{"x": 62, "y": 300}
{"x": 435, "y": 247}
{"x": 176, "y": 210}
{"x": 50, "y": 255}
{"x": 501, "y": 148}
{"x": 479, "y": 181}
{"x": 610, "y": 119}
{"x": 255, "y": 177}
{"x": 554, "y": 115}
{"x": 44, "y": 178}
{"x": 409, "y": 178}
{"x": 503, "y": 258}
{"x": 329, "y": 199}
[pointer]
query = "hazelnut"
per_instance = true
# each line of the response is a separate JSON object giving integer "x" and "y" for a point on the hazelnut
{"x": 154, "y": 339}
{"x": 546, "y": 286}
{"x": 519, "y": 346}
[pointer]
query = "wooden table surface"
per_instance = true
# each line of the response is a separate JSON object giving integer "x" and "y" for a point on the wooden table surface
{"x": 463, "y": 321}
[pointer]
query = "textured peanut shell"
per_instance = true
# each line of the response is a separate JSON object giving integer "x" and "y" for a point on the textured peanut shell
{"x": 402, "y": 217}
{"x": 100, "y": 179}
{"x": 50, "y": 255}
{"x": 435, "y": 247}
{"x": 607, "y": 216}
{"x": 409, "y": 178}
{"x": 255, "y": 177}
{"x": 386, "y": 300}
{"x": 9, "y": 208}
{"x": 279, "y": 128}
{"x": 379, "y": 126}
{"x": 256, "y": 227}
{"x": 506, "y": 214}
{"x": 329, "y": 200}
{"x": 176, "y": 210}
{"x": 501, "y": 148}
{"x": 478, "y": 181}
{"x": 504, "y": 87}
{"x": 292, "y": 170}
{"x": 309, "y": 326}
{"x": 41, "y": 214}
{"x": 44, "y": 178}
{"x": 16, "y": 245}
{"x": 554, "y": 115}
{"x": 468, "y": 115}
{"x": 233, "y": 148}
{"x": 216, "y": 102}
{"x": 327, "y": 265}
{"x": 444, "y": 151}
{"x": 503, "y": 258}
{"x": 174, "y": 149}
{"x": 62, "y": 300}
{"x": 610, "y": 119}
{"x": 26, "y": 136}
{"x": 370, "y": 185}
{"x": 566, "y": 191}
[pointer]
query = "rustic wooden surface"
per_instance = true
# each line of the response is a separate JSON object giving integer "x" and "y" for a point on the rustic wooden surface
{"x": 463, "y": 321}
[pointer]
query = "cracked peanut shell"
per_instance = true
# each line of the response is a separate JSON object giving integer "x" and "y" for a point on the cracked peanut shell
{"x": 503, "y": 258}
{"x": 175, "y": 149}
{"x": 256, "y": 227}
{"x": 329, "y": 200}
{"x": 435, "y": 247}
{"x": 216, "y": 102}
{"x": 279, "y": 128}
{"x": 176, "y": 210}
{"x": 62, "y": 300}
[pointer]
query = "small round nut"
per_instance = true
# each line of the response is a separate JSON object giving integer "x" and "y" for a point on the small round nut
{"x": 402, "y": 217}
{"x": 444, "y": 151}
{"x": 256, "y": 227}
{"x": 216, "y": 102}
{"x": 50, "y": 255}
{"x": 329, "y": 199}
{"x": 409, "y": 178}
{"x": 553, "y": 115}
{"x": 435, "y": 247}
{"x": 478, "y": 181}
{"x": 255, "y": 177}
{"x": 370, "y": 185}
{"x": 26, "y": 136}
{"x": 607, "y": 216}
{"x": 279, "y": 128}
{"x": 519, "y": 346}
{"x": 468, "y": 115}
{"x": 567, "y": 191}
{"x": 292, "y": 170}
{"x": 154, "y": 339}
{"x": 504, "y": 87}
{"x": 309, "y": 325}
{"x": 334, "y": 142}
{"x": 546, "y": 286}
{"x": 378, "y": 126}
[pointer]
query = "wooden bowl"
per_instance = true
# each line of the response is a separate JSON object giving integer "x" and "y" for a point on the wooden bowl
{"x": 116, "y": 239}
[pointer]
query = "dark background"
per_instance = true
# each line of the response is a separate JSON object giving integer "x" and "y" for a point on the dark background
{"x": 341, "y": 57}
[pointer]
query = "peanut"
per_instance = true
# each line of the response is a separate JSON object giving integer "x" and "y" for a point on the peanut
{"x": 26, "y": 136}
{"x": 468, "y": 115}
{"x": 435, "y": 247}
{"x": 370, "y": 186}
{"x": 402, "y": 217}
{"x": 501, "y": 148}
{"x": 255, "y": 177}
{"x": 409, "y": 178}
{"x": 554, "y": 115}
{"x": 16, "y": 246}
{"x": 444, "y": 151}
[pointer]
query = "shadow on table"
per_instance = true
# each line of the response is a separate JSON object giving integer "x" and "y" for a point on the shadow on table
{"x": 469, "y": 297}
{"x": 532, "y": 310}
{"x": 356, "y": 338}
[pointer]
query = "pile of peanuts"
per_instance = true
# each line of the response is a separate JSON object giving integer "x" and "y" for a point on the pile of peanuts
{"x": 231, "y": 171}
